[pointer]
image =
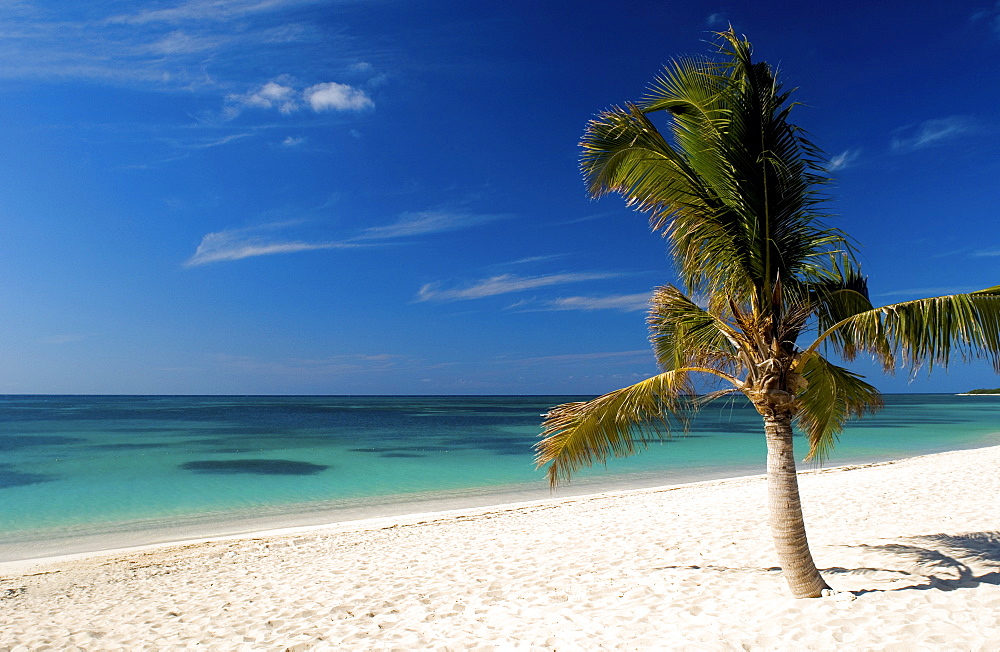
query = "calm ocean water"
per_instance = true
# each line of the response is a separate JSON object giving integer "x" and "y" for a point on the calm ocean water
{"x": 120, "y": 470}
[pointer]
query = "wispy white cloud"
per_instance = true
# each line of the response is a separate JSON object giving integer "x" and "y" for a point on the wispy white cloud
{"x": 423, "y": 222}
{"x": 207, "y": 10}
{"x": 181, "y": 43}
{"x": 293, "y": 141}
{"x": 280, "y": 94}
{"x": 207, "y": 143}
{"x": 237, "y": 244}
{"x": 622, "y": 302}
{"x": 185, "y": 144}
{"x": 78, "y": 43}
{"x": 332, "y": 96}
{"x": 931, "y": 132}
{"x": 920, "y": 293}
{"x": 267, "y": 239}
{"x": 717, "y": 20}
{"x": 954, "y": 252}
{"x": 986, "y": 252}
{"x": 845, "y": 159}
{"x": 218, "y": 247}
{"x": 536, "y": 259}
{"x": 503, "y": 284}
{"x": 989, "y": 16}
{"x": 271, "y": 95}
{"x": 588, "y": 218}
{"x": 169, "y": 46}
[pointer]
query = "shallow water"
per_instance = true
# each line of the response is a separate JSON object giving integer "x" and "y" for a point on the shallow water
{"x": 93, "y": 465}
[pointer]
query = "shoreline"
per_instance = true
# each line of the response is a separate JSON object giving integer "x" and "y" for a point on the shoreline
{"x": 81, "y": 541}
{"x": 107, "y": 538}
{"x": 913, "y": 546}
{"x": 401, "y": 513}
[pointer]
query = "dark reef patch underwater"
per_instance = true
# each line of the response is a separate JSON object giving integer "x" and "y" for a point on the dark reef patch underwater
{"x": 260, "y": 467}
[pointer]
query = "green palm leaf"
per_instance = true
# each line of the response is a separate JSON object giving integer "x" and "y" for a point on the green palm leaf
{"x": 683, "y": 334}
{"x": 842, "y": 294}
{"x": 579, "y": 434}
{"x": 927, "y": 331}
{"x": 833, "y": 396}
{"x": 733, "y": 189}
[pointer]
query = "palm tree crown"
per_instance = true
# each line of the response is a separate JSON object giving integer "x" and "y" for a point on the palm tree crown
{"x": 735, "y": 188}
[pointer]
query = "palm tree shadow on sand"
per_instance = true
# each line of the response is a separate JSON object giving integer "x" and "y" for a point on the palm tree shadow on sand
{"x": 943, "y": 562}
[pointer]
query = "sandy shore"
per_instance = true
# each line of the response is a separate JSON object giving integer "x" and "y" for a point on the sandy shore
{"x": 913, "y": 547}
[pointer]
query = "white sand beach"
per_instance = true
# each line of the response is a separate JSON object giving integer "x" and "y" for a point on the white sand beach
{"x": 912, "y": 546}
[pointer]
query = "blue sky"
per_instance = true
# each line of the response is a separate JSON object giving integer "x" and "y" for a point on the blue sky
{"x": 358, "y": 197}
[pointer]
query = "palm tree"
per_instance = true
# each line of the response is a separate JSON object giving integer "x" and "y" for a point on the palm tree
{"x": 735, "y": 190}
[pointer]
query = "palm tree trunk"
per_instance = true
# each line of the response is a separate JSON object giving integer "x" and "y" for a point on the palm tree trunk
{"x": 787, "y": 526}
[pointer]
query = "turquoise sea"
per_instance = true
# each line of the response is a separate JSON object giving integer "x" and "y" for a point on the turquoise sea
{"x": 90, "y": 472}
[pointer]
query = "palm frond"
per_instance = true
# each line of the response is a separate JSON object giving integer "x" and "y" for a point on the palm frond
{"x": 623, "y": 152}
{"x": 833, "y": 396}
{"x": 579, "y": 434}
{"x": 776, "y": 170}
{"x": 734, "y": 188}
{"x": 927, "y": 331}
{"x": 683, "y": 334}
{"x": 842, "y": 294}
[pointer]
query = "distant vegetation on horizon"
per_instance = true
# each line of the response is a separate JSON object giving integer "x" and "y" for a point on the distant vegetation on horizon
{"x": 984, "y": 391}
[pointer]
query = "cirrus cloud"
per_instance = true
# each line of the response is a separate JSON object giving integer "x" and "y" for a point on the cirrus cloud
{"x": 503, "y": 284}
{"x": 845, "y": 159}
{"x": 421, "y": 222}
{"x": 198, "y": 10}
{"x": 931, "y": 132}
{"x": 237, "y": 244}
{"x": 267, "y": 239}
{"x": 622, "y": 302}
